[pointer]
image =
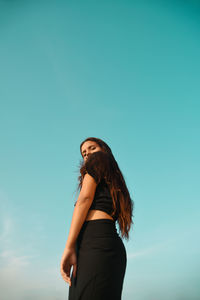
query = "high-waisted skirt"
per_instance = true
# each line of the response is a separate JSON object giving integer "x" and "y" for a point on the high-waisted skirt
{"x": 101, "y": 262}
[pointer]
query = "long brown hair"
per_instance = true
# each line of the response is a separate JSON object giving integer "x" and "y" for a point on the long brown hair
{"x": 122, "y": 202}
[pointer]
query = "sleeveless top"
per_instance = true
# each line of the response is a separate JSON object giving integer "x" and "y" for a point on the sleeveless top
{"x": 98, "y": 165}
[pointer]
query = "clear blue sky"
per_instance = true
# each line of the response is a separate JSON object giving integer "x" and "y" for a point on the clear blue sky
{"x": 127, "y": 72}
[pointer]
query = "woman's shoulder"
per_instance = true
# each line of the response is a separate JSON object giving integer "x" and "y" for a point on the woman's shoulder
{"x": 97, "y": 164}
{"x": 98, "y": 158}
{"x": 98, "y": 155}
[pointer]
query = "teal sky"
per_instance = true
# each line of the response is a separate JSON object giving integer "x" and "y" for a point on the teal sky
{"x": 127, "y": 72}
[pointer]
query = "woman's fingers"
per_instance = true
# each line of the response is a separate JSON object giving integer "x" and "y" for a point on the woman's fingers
{"x": 66, "y": 275}
{"x": 68, "y": 260}
{"x": 66, "y": 278}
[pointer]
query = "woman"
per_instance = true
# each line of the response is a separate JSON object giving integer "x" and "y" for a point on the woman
{"x": 94, "y": 247}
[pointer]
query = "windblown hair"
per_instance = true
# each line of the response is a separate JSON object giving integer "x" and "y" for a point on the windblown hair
{"x": 122, "y": 203}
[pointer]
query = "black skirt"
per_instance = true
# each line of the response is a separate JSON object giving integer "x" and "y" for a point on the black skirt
{"x": 101, "y": 262}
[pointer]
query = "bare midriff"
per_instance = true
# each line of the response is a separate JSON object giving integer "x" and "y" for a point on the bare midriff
{"x": 94, "y": 214}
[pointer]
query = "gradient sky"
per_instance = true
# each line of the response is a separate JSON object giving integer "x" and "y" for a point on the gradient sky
{"x": 127, "y": 72}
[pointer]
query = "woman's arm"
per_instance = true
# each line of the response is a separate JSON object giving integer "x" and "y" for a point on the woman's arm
{"x": 83, "y": 204}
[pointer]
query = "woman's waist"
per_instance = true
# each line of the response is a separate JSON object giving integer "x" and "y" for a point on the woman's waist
{"x": 94, "y": 214}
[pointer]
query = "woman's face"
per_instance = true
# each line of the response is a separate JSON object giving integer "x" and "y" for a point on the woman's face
{"x": 89, "y": 147}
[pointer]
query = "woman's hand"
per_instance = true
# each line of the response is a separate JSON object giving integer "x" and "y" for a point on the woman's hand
{"x": 68, "y": 260}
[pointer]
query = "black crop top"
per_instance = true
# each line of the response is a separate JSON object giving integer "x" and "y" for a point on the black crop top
{"x": 97, "y": 165}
